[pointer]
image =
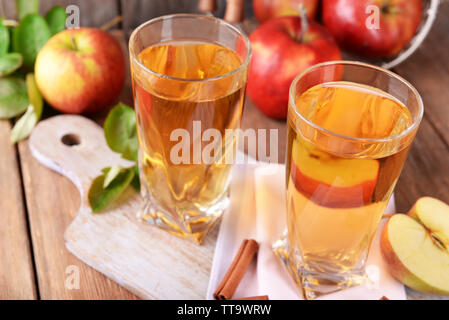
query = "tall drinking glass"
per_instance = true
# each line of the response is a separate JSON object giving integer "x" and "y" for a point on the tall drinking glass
{"x": 350, "y": 128}
{"x": 189, "y": 76}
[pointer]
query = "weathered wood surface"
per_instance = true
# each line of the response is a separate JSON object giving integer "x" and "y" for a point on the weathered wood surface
{"x": 426, "y": 172}
{"x": 93, "y": 13}
{"x": 16, "y": 266}
{"x": 427, "y": 169}
{"x": 136, "y": 12}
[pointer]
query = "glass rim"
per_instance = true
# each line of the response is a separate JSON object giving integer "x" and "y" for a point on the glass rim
{"x": 189, "y": 15}
{"x": 403, "y": 133}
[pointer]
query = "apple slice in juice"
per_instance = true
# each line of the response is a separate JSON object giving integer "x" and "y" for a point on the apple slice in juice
{"x": 143, "y": 98}
{"x": 330, "y": 180}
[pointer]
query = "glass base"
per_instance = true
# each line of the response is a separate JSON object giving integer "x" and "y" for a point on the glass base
{"x": 310, "y": 282}
{"x": 189, "y": 223}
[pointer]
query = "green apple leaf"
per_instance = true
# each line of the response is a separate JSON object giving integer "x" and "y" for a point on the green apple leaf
{"x": 24, "y": 126}
{"x": 56, "y": 18}
{"x": 120, "y": 131}
{"x": 131, "y": 151}
{"x": 99, "y": 197}
{"x": 136, "y": 180}
{"x": 9, "y": 63}
{"x": 4, "y": 38}
{"x": 13, "y": 97}
{"x": 34, "y": 95}
{"x": 121, "y": 135}
{"x": 25, "y": 7}
{"x": 29, "y": 37}
{"x": 111, "y": 174}
{"x": 11, "y": 31}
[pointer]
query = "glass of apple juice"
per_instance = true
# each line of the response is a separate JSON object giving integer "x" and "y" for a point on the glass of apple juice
{"x": 350, "y": 128}
{"x": 189, "y": 75}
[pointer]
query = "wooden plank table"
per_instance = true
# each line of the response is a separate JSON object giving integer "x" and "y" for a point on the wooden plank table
{"x": 38, "y": 204}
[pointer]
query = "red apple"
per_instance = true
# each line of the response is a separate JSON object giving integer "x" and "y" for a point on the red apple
{"x": 281, "y": 50}
{"x": 331, "y": 181}
{"x": 80, "y": 70}
{"x": 268, "y": 9}
{"x": 353, "y": 24}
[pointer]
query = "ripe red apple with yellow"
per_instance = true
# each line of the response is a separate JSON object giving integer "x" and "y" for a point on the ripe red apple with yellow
{"x": 282, "y": 48}
{"x": 331, "y": 180}
{"x": 268, "y": 9}
{"x": 373, "y": 28}
{"x": 80, "y": 70}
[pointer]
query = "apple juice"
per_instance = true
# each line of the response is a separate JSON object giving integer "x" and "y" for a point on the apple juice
{"x": 337, "y": 189}
{"x": 194, "y": 189}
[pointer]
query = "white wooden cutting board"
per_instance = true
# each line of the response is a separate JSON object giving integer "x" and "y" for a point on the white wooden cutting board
{"x": 144, "y": 259}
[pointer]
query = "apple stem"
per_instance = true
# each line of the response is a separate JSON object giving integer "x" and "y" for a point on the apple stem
{"x": 390, "y": 9}
{"x": 75, "y": 46}
{"x": 304, "y": 22}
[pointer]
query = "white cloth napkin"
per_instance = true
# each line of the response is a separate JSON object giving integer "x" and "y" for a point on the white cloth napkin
{"x": 258, "y": 211}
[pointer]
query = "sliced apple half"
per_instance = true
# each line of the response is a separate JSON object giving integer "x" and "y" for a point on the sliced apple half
{"x": 333, "y": 181}
{"x": 416, "y": 247}
{"x": 434, "y": 215}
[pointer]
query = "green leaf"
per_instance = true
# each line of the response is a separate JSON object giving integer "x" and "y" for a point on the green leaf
{"x": 131, "y": 151}
{"x": 56, "y": 18}
{"x": 25, "y": 7}
{"x": 9, "y": 63}
{"x": 136, "y": 180}
{"x": 11, "y": 31}
{"x": 100, "y": 197}
{"x": 4, "y": 39}
{"x": 24, "y": 126}
{"x": 34, "y": 95}
{"x": 13, "y": 97}
{"x": 120, "y": 131}
{"x": 29, "y": 37}
{"x": 110, "y": 174}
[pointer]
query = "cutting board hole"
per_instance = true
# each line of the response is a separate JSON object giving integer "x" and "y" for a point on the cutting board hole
{"x": 71, "y": 140}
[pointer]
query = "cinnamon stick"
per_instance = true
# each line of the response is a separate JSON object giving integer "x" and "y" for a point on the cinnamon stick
{"x": 253, "y": 298}
{"x": 108, "y": 25}
{"x": 237, "y": 270}
{"x": 234, "y": 11}
{"x": 207, "y": 5}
